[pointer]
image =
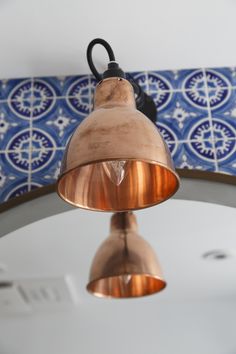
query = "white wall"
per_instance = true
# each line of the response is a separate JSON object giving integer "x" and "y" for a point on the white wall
{"x": 49, "y": 37}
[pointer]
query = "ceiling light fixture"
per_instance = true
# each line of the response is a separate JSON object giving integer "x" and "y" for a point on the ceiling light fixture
{"x": 125, "y": 265}
{"x": 218, "y": 255}
{"x": 116, "y": 160}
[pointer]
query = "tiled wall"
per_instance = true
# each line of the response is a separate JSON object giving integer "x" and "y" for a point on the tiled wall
{"x": 196, "y": 116}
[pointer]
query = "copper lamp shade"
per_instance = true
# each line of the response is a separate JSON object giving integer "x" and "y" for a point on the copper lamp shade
{"x": 125, "y": 265}
{"x": 116, "y": 160}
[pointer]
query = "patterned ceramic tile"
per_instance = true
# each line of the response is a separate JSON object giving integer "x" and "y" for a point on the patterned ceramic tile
{"x": 157, "y": 82}
{"x": 191, "y": 79}
{"x": 63, "y": 86}
{"x": 19, "y": 160}
{"x": 167, "y": 133}
{"x": 58, "y": 122}
{"x": 200, "y": 157}
{"x": 92, "y": 86}
{"x": 223, "y": 114}
{"x": 16, "y": 89}
{"x": 47, "y": 87}
{"x": 46, "y": 166}
{"x": 224, "y": 128}
{"x": 226, "y": 156}
{"x": 165, "y": 80}
{"x": 221, "y": 98}
{"x": 12, "y": 125}
{"x": 221, "y": 77}
{"x": 173, "y": 148}
{"x": 78, "y": 86}
{"x": 41, "y": 159}
{"x": 198, "y": 122}
{"x": 181, "y": 115}
{"x": 168, "y": 136}
{"x": 140, "y": 77}
{"x": 13, "y": 175}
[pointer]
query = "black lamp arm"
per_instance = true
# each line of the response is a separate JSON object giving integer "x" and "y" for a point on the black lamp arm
{"x": 144, "y": 102}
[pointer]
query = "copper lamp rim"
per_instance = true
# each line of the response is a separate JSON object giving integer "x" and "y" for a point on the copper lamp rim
{"x": 81, "y": 206}
{"x": 154, "y": 162}
{"x": 77, "y": 205}
{"x": 116, "y": 159}
{"x": 100, "y": 295}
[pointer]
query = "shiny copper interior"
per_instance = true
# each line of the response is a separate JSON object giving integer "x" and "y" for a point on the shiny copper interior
{"x": 116, "y": 287}
{"x": 145, "y": 184}
{"x": 125, "y": 265}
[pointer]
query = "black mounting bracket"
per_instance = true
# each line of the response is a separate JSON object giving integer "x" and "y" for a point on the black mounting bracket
{"x": 144, "y": 102}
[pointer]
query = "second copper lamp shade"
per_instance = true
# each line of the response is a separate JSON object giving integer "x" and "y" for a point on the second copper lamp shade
{"x": 125, "y": 265}
{"x": 116, "y": 141}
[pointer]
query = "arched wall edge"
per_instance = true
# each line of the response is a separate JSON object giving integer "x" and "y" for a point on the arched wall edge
{"x": 209, "y": 187}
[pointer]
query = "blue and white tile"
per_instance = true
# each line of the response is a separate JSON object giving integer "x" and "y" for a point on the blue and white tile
{"x": 21, "y": 109}
{"x": 162, "y": 79}
{"x": 223, "y": 128}
{"x": 15, "y": 189}
{"x": 78, "y": 86}
{"x": 180, "y": 115}
{"x": 220, "y": 78}
{"x": 11, "y": 126}
{"x": 18, "y": 106}
{"x": 59, "y": 122}
{"x": 224, "y": 117}
{"x": 221, "y": 98}
{"x": 46, "y": 168}
{"x": 16, "y": 89}
{"x": 160, "y": 89}
{"x": 43, "y": 98}
{"x": 62, "y": 86}
{"x": 189, "y": 79}
{"x": 140, "y": 77}
{"x": 158, "y": 82}
{"x": 195, "y": 156}
{"x": 47, "y": 87}
{"x": 19, "y": 160}
{"x": 13, "y": 176}
{"x": 226, "y": 156}
{"x": 162, "y": 99}
{"x": 173, "y": 147}
{"x": 41, "y": 140}
{"x": 201, "y": 130}
{"x": 168, "y": 134}
{"x": 92, "y": 86}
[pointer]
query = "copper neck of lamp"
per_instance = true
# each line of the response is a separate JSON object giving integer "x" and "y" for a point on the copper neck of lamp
{"x": 114, "y": 92}
{"x": 125, "y": 265}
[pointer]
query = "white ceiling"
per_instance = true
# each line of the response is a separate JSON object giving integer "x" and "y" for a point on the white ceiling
{"x": 195, "y": 313}
{"x": 49, "y": 37}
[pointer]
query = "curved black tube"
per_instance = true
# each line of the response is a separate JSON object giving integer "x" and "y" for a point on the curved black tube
{"x": 90, "y": 59}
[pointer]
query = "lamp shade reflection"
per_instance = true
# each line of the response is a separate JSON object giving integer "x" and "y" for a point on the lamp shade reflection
{"x": 125, "y": 265}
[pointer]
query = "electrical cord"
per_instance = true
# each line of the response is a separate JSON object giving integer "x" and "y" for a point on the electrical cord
{"x": 144, "y": 102}
{"x": 90, "y": 59}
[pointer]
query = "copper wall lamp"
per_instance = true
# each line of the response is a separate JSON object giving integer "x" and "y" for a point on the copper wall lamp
{"x": 125, "y": 265}
{"x": 116, "y": 159}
